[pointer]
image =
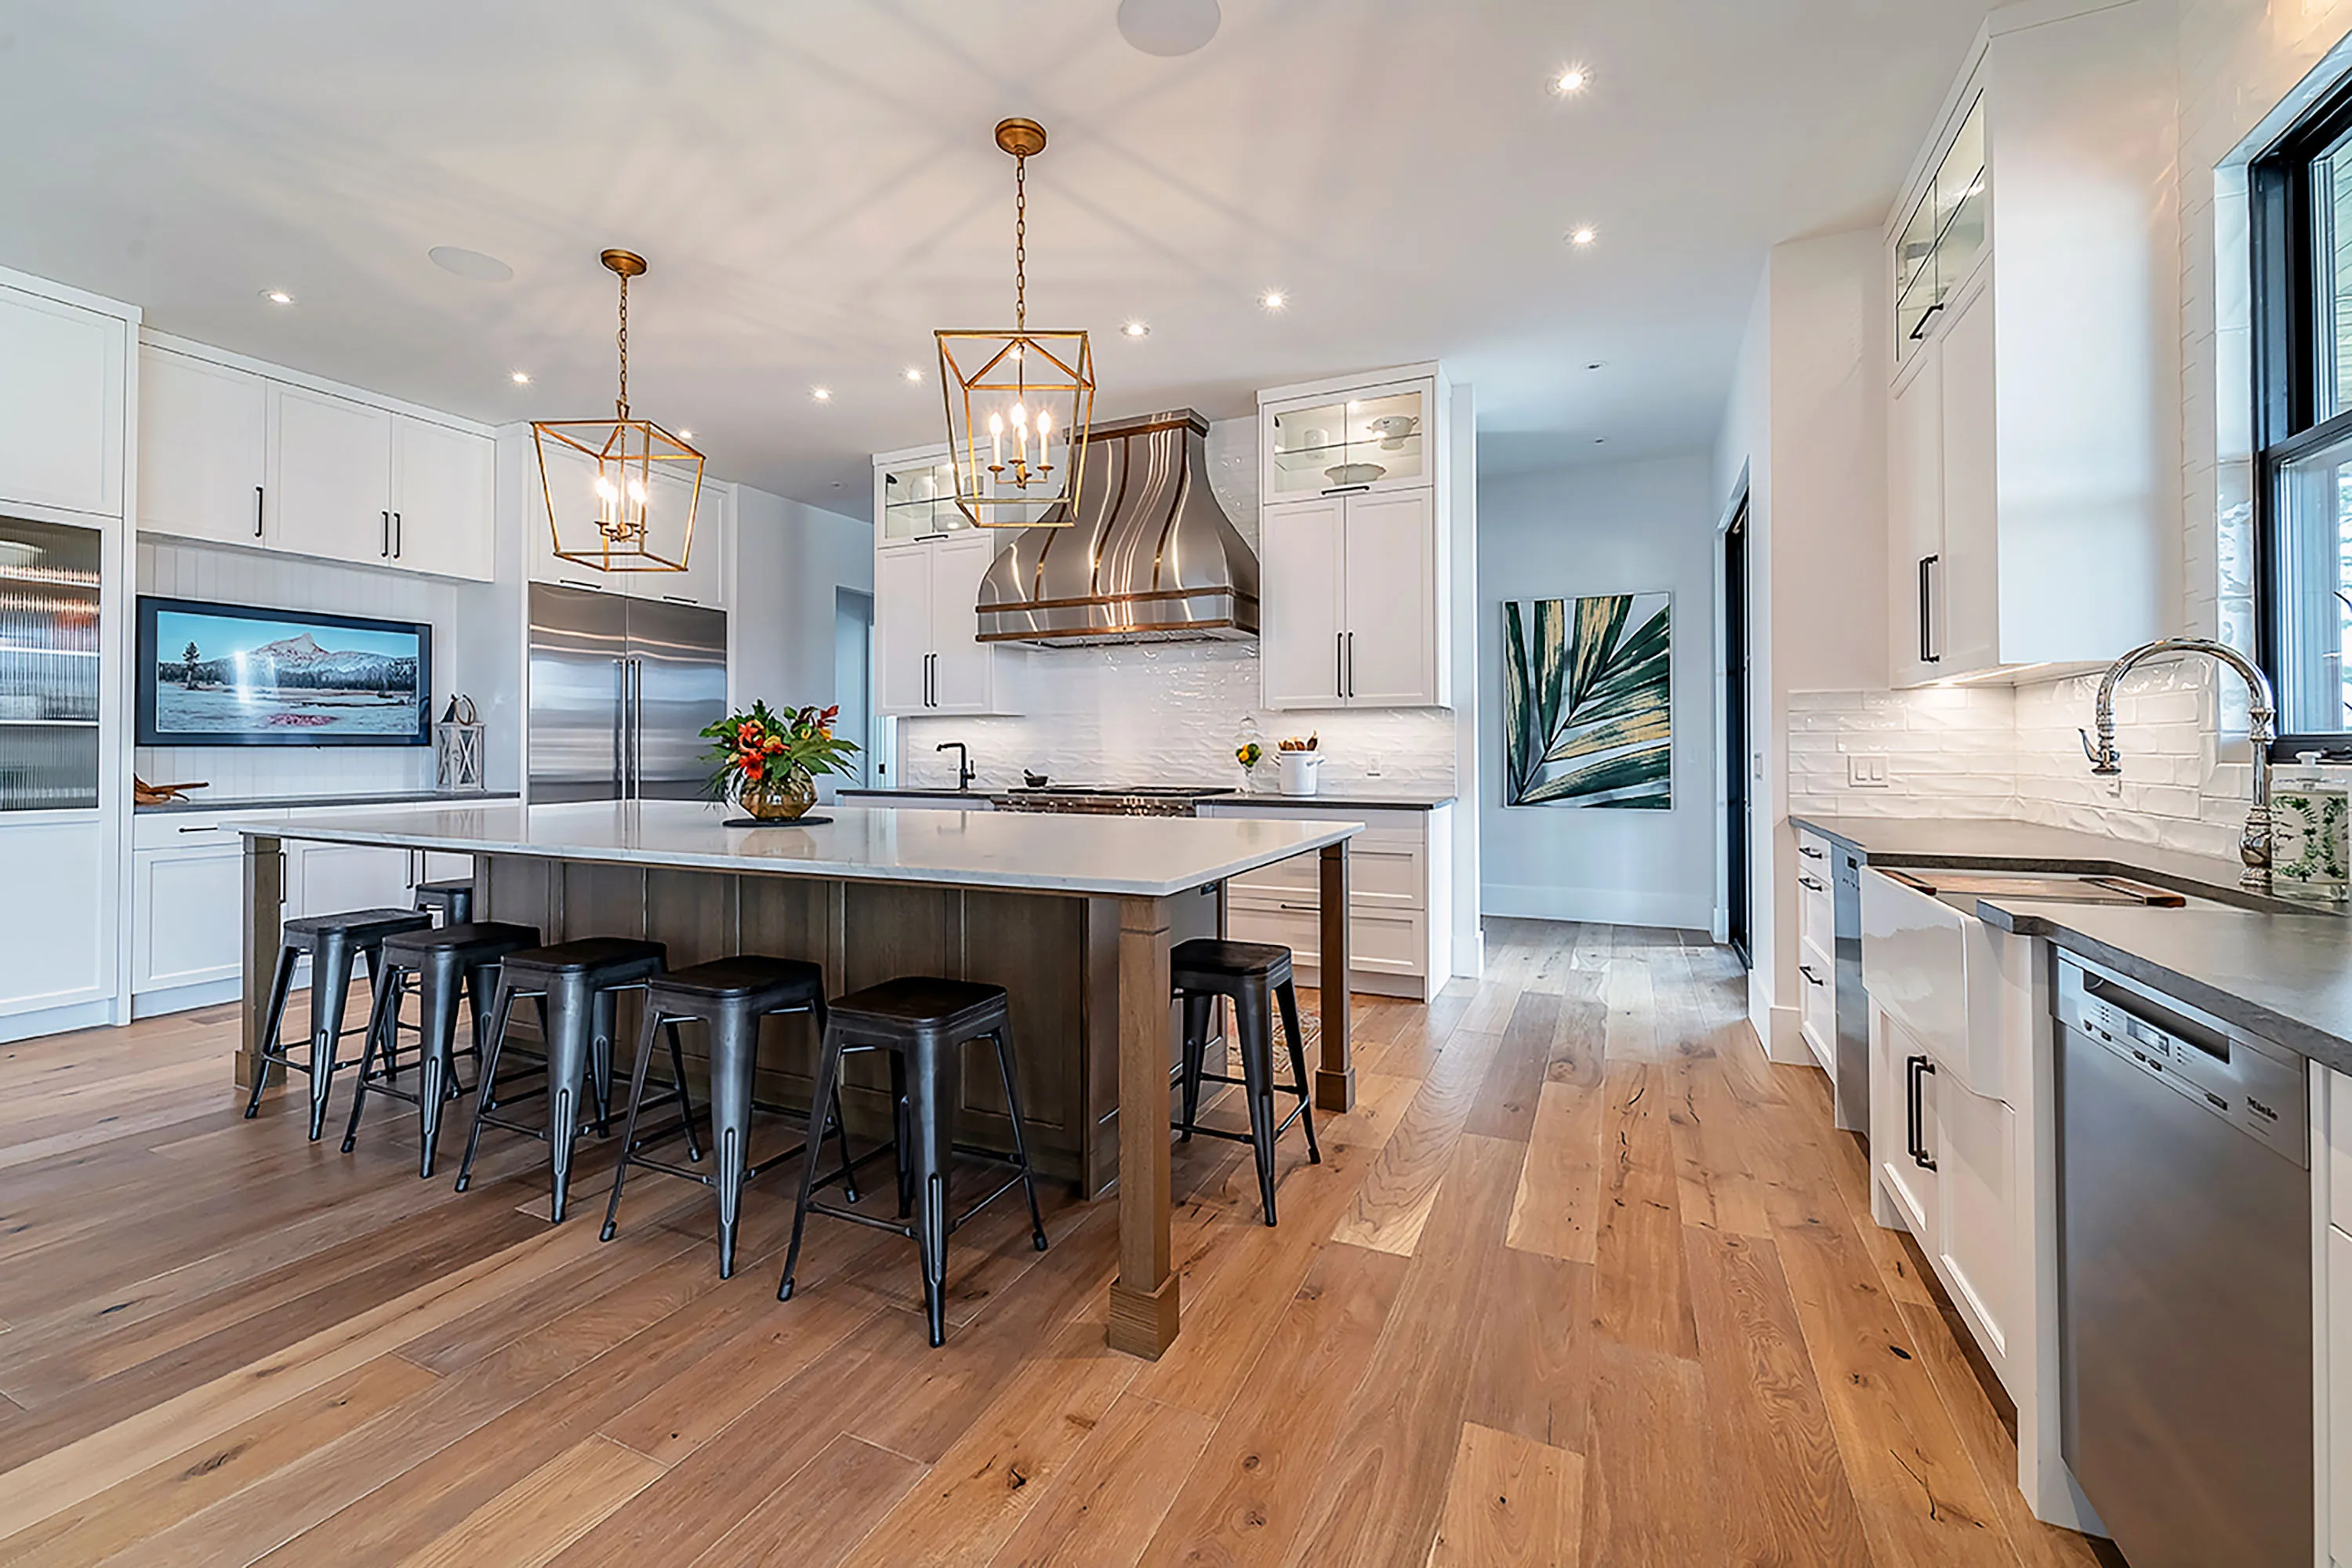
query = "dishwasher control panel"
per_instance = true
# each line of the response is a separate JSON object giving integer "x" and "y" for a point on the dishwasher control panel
{"x": 2256, "y": 1085}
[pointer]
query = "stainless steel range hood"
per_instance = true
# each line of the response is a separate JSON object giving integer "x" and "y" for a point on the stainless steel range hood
{"x": 1151, "y": 556}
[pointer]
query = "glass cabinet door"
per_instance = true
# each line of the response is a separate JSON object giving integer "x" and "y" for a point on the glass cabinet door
{"x": 1944, "y": 237}
{"x": 919, "y": 499}
{"x": 1376, "y": 440}
{"x": 49, "y": 660}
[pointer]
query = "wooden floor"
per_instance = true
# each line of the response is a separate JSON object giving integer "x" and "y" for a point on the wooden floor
{"x": 1582, "y": 1279}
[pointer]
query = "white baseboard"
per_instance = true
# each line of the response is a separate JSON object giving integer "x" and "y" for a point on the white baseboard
{"x": 58, "y": 1020}
{"x": 180, "y": 998}
{"x": 1599, "y": 906}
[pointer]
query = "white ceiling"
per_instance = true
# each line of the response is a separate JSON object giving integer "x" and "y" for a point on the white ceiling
{"x": 816, "y": 188}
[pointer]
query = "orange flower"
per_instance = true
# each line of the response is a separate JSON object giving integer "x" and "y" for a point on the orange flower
{"x": 774, "y": 746}
{"x": 753, "y": 770}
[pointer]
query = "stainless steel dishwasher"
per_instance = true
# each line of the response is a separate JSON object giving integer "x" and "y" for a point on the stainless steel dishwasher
{"x": 2184, "y": 1261}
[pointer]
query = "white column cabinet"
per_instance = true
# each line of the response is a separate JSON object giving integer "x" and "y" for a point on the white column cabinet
{"x": 61, "y": 404}
{"x": 203, "y": 449}
{"x": 1352, "y": 543}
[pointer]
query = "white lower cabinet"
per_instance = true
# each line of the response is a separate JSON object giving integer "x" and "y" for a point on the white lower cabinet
{"x": 57, "y": 947}
{"x": 2336, "y": 1397}
{"x": 1979, "y": 1220}
{"x": 1902, "y": 1134}
{"x": 1398, "y": 887}
{"x": 187, "y": 913}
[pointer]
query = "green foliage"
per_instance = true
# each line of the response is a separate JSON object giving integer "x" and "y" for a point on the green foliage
{"x": 751, "y": 747}
{"x": 1589, "y": 708}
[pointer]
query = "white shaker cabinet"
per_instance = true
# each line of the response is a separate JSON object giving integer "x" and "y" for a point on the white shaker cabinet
{"x": 444, "y": 498}
{"x": 61, "y": 404}
{"x": 203, "y": 449}
{"x": 54, "y": 927}
{"x": 1350, "y": 602}
{"x": 902, "y": 632}
{"x": 331, "y": 476}
{"x": 1940, "y": 474}
{"x": 927, "y": 565}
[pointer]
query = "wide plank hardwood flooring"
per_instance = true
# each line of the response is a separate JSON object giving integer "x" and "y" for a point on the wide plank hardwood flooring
{"x": 1583, "y": 1279}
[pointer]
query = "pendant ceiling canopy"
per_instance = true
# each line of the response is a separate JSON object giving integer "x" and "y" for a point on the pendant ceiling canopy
{"x": 621, "y": 492}
{"x": 1018, "y": 401}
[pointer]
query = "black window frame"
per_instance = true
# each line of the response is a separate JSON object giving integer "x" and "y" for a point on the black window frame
{"x": 2285, "y": 298}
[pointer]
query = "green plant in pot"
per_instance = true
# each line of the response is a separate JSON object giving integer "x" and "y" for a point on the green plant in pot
{"x": 768, "y": 761}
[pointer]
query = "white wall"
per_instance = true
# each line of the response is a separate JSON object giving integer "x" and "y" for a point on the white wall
{"x": 1806, "y": 423}
{"x": 1627, "y": 528}
{"x": 789, "y": 558}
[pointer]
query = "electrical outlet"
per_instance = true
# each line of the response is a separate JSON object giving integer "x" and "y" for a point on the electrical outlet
{"x": 1865, "y": 770}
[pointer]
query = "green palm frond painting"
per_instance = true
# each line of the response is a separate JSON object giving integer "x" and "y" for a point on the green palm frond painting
{"x": 1588, "y": 697}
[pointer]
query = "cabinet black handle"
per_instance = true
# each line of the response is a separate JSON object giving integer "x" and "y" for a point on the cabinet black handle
{"x": 1925, "y": 317}
{"x": 399, "y": 536}
{"x": 1807, "y": 971}
{"x": 1928, "y": 653}
{"x": 1346, "y": 489}
{"x": 1915, "y": 1070}
{"x": 384, "y": 546}
{"x": 1811, "y": 885}
{"x": 257, "y": 512}
{"x": 1810, "y": 853}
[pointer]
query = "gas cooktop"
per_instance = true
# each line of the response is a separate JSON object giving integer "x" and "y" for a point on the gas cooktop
{"x": 1123, "y": 800}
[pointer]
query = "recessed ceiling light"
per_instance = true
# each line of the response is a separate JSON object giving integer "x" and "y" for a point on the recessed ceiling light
{"x": 469, "y": 264}
{"x": 913, "y": 374}
{"x": 520, "y": 378}
{"x": 1596, "y": 365}
{"x": 685, "y": 434}
{"x": 1137, "y": 328}
{"x": 1599, "y": 440}
{"x": 1575, "y": 78}
{"x": 278, "y": 296}
{"x": 1274, "y": 300}
{"x": 822, "y": 394}
{"x": 1584, "y": 235}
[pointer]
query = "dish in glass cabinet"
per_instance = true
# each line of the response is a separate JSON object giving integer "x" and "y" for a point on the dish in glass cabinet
{"x": 1355, "y": 473}
{"x": 1392, "y": 428}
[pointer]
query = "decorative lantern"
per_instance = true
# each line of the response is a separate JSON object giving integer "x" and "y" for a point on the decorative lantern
{"x": 621, "y": 492}
{"x": 1018, "y": 401}
{"x": 458, "y": 742}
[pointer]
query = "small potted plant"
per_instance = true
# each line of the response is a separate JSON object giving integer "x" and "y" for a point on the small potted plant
{"x": 768, "y": 761}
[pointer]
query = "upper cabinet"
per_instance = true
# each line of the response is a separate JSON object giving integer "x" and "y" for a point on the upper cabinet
{"x": 61, "y": 404}
{"x": 1349, "y": 440}
{"x": 230, "y": 455}
{"x": 2034, "y": 400}
{"x": 1354, "y": 558}
{"x": 914, "y": 497}
{"x": 928, "y": 561}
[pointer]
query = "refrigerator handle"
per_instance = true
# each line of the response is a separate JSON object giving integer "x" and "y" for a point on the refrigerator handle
{"x": 621, "y": 729}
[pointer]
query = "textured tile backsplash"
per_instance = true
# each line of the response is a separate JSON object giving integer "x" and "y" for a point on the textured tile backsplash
{"x": 1972, "y": 751}
{"x": 1172, "y": 713}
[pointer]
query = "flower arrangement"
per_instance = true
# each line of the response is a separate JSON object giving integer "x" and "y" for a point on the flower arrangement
{"x": 766, "y": 760}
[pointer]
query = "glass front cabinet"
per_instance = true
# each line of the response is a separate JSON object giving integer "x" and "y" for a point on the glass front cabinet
{"x": 914, "y": 497}
{"x": 1943, "y": 240}
{"x": 1369, "y": 438}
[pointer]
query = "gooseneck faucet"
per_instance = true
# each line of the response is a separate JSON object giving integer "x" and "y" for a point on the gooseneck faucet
{"x": 965, "y": 772}
{"x": 2262, "y": 715}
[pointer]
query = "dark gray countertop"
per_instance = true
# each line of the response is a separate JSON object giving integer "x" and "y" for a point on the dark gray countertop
{"x": 2280, "y": 969}
{"x": 200, "y": 802}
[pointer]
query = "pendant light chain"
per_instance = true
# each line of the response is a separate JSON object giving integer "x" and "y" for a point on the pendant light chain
{"x": 1020, "y": 244}
{"x": 623, "y": 340}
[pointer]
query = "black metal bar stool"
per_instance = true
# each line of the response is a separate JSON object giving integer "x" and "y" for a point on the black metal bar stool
{"x": 578, "y": 987}
{"x": 447, "y": 962}
{"x": 453, "y": 900}
{"x": 1252, "y": 977}
{"x": 727, "y": 998}
{"x": 332, "y": 940}
{"x": 923, "y": 1023}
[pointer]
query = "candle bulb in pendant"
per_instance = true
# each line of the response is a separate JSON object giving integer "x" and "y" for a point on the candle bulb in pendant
{"x": 1045, "y": 422}
{"x": 995, "y": 441}
{"x": 1020, "y": 442}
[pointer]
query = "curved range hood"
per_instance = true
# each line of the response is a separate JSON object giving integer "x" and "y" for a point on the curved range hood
{"x": 1150, "y": 556}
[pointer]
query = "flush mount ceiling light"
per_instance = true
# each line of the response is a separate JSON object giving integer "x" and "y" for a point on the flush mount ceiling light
{"x": 471, "y": 264}
{"x": 1007, "y": 392}
{"x": 278, "y": 296}
{"x": 621, "y": 492}
{"x": 1169, "y": 27}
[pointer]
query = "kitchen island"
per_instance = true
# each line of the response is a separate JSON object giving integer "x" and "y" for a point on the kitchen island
{"x": 1075, "y": 916}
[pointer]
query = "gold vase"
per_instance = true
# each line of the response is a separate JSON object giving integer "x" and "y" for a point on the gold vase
{"x": 777, "y": 796}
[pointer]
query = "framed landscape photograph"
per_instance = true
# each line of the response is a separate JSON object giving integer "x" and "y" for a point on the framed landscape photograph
{"x": 1588, "y": 701}
{"x": 227, "y": 675}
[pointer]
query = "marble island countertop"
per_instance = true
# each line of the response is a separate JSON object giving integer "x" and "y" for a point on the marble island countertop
{"x": 1129, "y": 857}
{"x": 1353, "y": 798}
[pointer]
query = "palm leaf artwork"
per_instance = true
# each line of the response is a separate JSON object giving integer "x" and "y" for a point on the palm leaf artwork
{"x": 1588, "y": 697}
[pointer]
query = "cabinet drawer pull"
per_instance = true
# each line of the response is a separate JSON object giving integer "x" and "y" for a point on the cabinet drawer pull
{"x": 1301, "y": 909}
{"x": 575, "y": 583}
{"x": 678, "y": 599}
{"x": 1927, "y": 319}
{"x": 1807, "y": 971}
{"x": 1810, "y": 853}
{"x": 1346, "y": 489}
{"x": 1915, "y": 1069}
{"x": 207, "y": 827}
{"x": 1811, "y": 885}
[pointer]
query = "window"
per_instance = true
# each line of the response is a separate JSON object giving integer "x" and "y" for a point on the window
{"x": 2302, "y": 195}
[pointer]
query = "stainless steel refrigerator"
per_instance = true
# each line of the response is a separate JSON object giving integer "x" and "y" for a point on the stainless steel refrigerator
{"x": 620, "y": 689}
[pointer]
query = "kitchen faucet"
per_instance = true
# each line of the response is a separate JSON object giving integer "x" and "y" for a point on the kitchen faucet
{"x": 964, "y": 771}
{"x": 2262, "y": 713}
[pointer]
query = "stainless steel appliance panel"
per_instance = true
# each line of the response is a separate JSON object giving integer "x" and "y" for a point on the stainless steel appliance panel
{"x": 1850, "y": 1094}
{"x": 578, "y": 645}
{"x": 678, "y": 681}
{"x": 2184, "y": 1279}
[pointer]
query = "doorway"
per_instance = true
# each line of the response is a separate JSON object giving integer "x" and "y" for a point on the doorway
{"x": 852, "y": 686}
{"x": 1738, "y": 894}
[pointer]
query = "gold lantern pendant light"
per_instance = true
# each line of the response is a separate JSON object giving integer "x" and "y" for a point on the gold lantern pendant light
{"x": 621, "y": 492}
{"x": 1018, "y": 401}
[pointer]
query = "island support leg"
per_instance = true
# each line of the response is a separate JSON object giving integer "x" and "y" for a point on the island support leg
{"x": 264, "y": 900}
{"x": 1335, "y": 1074}
{"x": 1143, "y": 1298}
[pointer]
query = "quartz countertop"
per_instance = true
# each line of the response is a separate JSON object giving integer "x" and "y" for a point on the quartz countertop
{"x": 1130, "y": 856}
{"x": 312, "y": 802}
{"x": 1344, "y": 800}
